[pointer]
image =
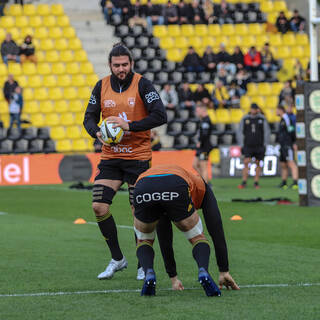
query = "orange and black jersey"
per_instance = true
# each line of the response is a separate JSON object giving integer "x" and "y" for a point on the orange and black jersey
{"x": 148, "y": 94}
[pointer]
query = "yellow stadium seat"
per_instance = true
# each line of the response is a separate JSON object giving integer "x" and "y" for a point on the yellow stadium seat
{"x": 214, "y": 156}
{"x": 241, "y": 29}
{"x": 167, "y": 43}
{"x": 261, "y": 40}
{"x": 84, "y": 93}
{"x": 297, "y": 51}
{"x": 72, "y": 68}
{"x": 78, "y": 80}
{"x": 52, "y": 119}
{"x": 91, "y": 79}
{"x": 58, "y": 133}
{"x": 282, "y": 52}
{"x": 174, "y": 30}
{"x": 80, "y": 55}
{"x": 4, "y": 107}
{"x": 214, "y": 29}
{"x": 37, "y": 119}
{"x": 187, "y": 30}
{"x": 49, "y": 21}
{"x": 264, "y": 88}
{"x": 31, "y": 107}
{"x": 43, "y": 68}
{"x": 181, "y": 42}
{"x": 160, "y": 31}
{"x": 69, "y": 32}
{"x": 75, "y": 44}
{"x": 61, "y": 44}
{"x": 61, "y": 106}
{"x": 35, "y": 21}
{"x": 79, "y": 145}
{"x": 29, "y": 68}
{"x": 86, "y": 67}
{"x": 76, "y": 106}
{"x": 58, "y": 68}
{"x": 23, "y": 81}
{"x": 279, "y": 6}
{"x": 64, "y": 145}
{"x": 13, "y": 10}
{"x": 46, "y": 106}
{"x": 57, "y": 9}
{"x": 67, "y": 119}
{"x": 43, "y": 9}
{"x": 245, "y": 102}
{"x": 46, "y": 44}
{"x": 70, "y": 93}
{"x": 266, "y": 6}
{"x": 41, "y": 33}
{"x": 63, "y": 21}
{"x": 50, "y": 80}
{"x": 234, "y": 41}
{"x": 66, "y": 56}
{"x": 55, "y": 93}
{"x": 195, "y": 41}
{"x": 41, "y": 93}
{"x": 236, "y": 115}
{"x": 14, "y": 68}
{"x": 55, "y": 32}
{"x": 52, "y": 56}
{"x": 208, "y": 41}
{"x": 289, "y": 39}
{"x": 73, "y": 132}
{"x": 26, "y": 32}
{"x": 227, "y": 29}
{"x": 21, "y": 21}
{"x": 84, "y": 133}
{"x": 35, "y": 81}
{"x": 15, "y": 33}
{"x": 271, "y": 116}
{"x": 249, "y": 40}
{"x": 78, "y": 118}
{"x": 175, "y": 55}
{"x": 3, "y": 70}
{"x": 252, "y": 89}
{"x": 259, "y": 100}
{"x": 223, "y": 116}
{"x": 255, "y": 29}
{"x": 212, "y": 116}
{"x": 302, "y": 39}
{"x": 201, "y": 30}
{"x": 272, "y": 102}
{"x": 276, "y": 87}
{"x": 7, "y": 22}
{"x": 64, "y": 80}
{"x": 275, "y": 40}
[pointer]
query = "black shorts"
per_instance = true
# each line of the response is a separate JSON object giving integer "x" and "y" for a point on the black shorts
{"x": 253, "y": 152}
{"x": 286, "y": 153}
{"x": 120, "y": 169}
{"x": 202, "y": 154}
{"x": 159, "y": 195}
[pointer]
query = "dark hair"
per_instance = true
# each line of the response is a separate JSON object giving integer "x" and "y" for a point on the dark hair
{"x": 119, "y": 49}
{"x": 281, "y": 108}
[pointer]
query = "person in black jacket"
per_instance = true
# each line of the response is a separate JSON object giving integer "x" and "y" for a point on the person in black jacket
{"x": 27, "y": 50}
{"x": 192, "y": 62}
{"x": 9, "y": 87}
{"x": 204, "y": 146}
{"x": 9, "y": 50}
{"x": 209, "y": 60}
{"x": 286, "y": 138}
{"x": 253, "y": 136}
{"x": 185, "y": 97}
{"x": 131, "y": 102}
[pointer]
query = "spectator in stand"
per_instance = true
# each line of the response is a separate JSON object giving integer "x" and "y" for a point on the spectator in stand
{"x": 2, "y": 5}
{"x": 138, "y": 15}
{"x": 9, "y": 50}
{"x": 299, "y": 72}
{"x": 184, "y": 12}
{"x": 155, "y": 141}
{"x": 242, "y": 79}
{"x": 154, "y": 14}
{"x": 224, "y": 14}
{"x": 15, "y": 108}
{"x": 210, "y": 14}
{"x": 185, "y": 97}
{"x": 282, "y": 23}
{"x": 192, "y": 62}
{"x": 203, "y": 95}
{"x": 27, "y": 50}
{"x": 110, "y": 7}
{"x": 223, "y": 76}
{"x": 234, "y": 94}
{"x": 268, "y": 63}
{"x": 286, "y": 96}
{"x": 237, "y": 58}
{"x": 125, "y": 6}
{"x": 297, "y": 23}
{"x": 209, "y": 60}
{"x": 9, "y": 87}
{"x": 170, "y": 13}
{"x": 224, "y": 60}
{"x": 197, "y": 14}
{"x": 169, "y": 97}
{"x": 252, "y": 60}
{"x": 221, "y": 98}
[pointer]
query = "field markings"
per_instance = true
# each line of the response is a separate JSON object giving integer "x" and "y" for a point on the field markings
{"x": 63, "y": 293}
{"x": 3, "y": 213}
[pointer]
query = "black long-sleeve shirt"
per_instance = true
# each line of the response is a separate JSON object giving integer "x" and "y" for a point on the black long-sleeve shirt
{"x": 286, "y": 134}
{"x": 151, "y": 99}
{"x": 205, "y": 128}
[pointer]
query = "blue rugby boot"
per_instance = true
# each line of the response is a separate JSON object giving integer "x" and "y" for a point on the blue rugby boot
{"x": 149, "y": 286}
{"x": 209, "y": 286}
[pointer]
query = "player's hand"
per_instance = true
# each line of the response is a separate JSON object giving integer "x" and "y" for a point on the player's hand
{"x": 226, "y": 280}
{"x": 99, "y": 136}
{"x": 176, "y": 284}
{"x": 119, "y": 122}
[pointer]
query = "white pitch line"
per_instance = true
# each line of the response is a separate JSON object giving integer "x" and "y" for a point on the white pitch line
{"x": 3, "y": 213}
{"x": 63, "y": 293}
{"x": 118, "y": 225}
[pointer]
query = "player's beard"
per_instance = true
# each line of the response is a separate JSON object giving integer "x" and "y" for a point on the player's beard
{"x": 124, "y": 80}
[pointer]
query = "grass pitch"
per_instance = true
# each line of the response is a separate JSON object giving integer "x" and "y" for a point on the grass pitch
{"x": 48, "y": 265}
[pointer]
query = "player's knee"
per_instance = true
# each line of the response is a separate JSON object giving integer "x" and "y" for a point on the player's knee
{"x": 195, "y": 232}
{"x": 100, "y": 209}
{"x": 143, "y": 236}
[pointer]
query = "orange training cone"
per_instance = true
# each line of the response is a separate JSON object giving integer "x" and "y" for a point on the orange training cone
{"x": 79, "y": 221}
{"x": 236, "y": 218}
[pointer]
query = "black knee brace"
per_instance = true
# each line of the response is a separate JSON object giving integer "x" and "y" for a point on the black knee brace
{"x": 131, "y": 190}
{"x": 102, "y": 193}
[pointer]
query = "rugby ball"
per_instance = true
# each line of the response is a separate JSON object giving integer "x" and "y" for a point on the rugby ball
{"x": 109, "y": 134}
